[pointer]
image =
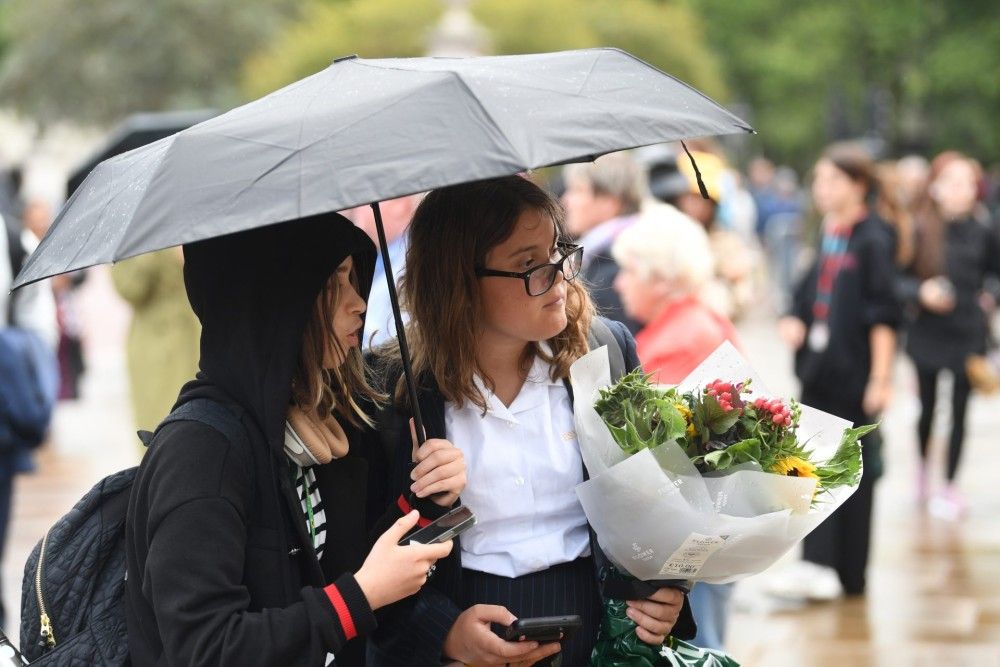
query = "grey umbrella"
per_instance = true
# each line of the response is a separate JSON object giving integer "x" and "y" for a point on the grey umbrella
{"x": 361, "y": 131}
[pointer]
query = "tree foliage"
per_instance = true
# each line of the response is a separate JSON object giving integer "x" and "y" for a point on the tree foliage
{"x": 669, "y": 36}
{"x": 918, "y": 74}
{"x": 328, "y": 29}
{"x": 99, "y": 60}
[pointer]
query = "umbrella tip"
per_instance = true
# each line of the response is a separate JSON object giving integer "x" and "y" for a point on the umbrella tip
{"x": 350, "y": 57}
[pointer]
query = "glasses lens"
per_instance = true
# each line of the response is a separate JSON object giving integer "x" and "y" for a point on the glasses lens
{"x": 541, "y": 279}
{"x": 571, "y": 267}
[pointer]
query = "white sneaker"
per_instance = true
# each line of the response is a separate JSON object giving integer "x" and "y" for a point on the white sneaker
{"x": 806, "y": 581}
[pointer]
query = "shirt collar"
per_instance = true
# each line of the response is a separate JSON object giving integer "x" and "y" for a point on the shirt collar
{"x": 540, "y": 374}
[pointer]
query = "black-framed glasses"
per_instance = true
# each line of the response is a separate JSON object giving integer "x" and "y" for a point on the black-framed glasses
{"x": 539, "y": 279}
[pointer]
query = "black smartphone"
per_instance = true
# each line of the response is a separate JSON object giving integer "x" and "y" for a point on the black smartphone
{"x": 542, "y": 628}
{"x": 443, "y": 528}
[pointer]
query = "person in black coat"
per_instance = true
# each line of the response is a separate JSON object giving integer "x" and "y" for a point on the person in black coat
{"x": 255, "y": 550}
{"x": 496, "y": 320}
{"x": 842, "y": 327}
{"x": 949, "y": 287}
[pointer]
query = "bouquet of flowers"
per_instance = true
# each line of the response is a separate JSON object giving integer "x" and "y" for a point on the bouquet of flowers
{"x": 713, "y": 480}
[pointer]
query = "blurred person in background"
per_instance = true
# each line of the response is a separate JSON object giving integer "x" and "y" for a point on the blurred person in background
{"x": 951, "y": 287}
{"x": 31, "y": 308}
{"x": 666, "y": 261}
{"x": 842, "y": 327}
{"x": 912, "y": 173}
{"x": 37, "y": 220}
{"x": 736, "y": 261}
{"x": 601, "y": 199}
{"x": 380, "y": 326}
{"x": 780, "y": 210}
{"x": 162, "y": 348}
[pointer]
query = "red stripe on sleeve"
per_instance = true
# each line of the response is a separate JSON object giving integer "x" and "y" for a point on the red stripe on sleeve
{"x": 346, "y": 622}
{"x": 407, "y": 508}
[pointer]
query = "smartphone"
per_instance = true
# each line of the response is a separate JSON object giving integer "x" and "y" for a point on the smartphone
{"x": 443, "y": 528}
{"x": 542, "y": 628}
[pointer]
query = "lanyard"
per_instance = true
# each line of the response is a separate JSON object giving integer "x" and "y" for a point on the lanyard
{"x": 833, "y": 250}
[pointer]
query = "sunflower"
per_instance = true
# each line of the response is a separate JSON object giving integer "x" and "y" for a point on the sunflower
{"x": 686, "y": 413}
{"x": 793, "y": 466}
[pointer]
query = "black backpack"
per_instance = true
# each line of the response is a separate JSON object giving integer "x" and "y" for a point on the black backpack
{"x": 73, "y": 592}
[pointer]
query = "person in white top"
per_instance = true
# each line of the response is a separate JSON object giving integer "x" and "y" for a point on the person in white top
{"x": 496, "y": 321}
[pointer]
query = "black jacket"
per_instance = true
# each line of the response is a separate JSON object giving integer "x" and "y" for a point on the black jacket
{"x": 414, "y": 630}
{"x": 599, "y": 274}
{"x": 221, "y": 570}
{"x": 971, "y": 258}
{"x": 864, "y": 296}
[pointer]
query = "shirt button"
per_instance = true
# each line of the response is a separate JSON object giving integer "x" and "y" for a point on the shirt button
{"x": 519, "y": 481}
{"x": 511, "y": 425}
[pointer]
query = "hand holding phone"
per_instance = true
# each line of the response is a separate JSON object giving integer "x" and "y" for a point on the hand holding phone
{"x": 542, "y": 628}
{"x": 443, "y": 528}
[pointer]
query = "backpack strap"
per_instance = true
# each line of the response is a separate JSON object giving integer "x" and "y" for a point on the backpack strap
{"x": 600, "y": 334}
{"x": 223, "y": 418}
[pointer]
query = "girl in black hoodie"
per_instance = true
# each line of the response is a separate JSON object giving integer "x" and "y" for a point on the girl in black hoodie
{"x": 232, "y": 544}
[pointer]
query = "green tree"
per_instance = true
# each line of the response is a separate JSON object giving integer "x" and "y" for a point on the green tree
{"x": 98, "y": 61}
{"x": 918, "y": 74}
{"x": 669, "y": 36}
{"x": 327, "y": 29}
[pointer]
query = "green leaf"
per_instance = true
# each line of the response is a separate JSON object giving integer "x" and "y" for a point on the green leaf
{"x": 719, "y": 460}
{"x": 674, "y": 425}
{"x": 746, "y": 451}
{"x": 717, "y": 419}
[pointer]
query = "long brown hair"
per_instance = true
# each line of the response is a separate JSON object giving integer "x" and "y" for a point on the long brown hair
{"x": 930, "y": 224}
{"x": 324, "y": 390}
{"x": 855, "y": 161}
{"x": 452, "y": 231}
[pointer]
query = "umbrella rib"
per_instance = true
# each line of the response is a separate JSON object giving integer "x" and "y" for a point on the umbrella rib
{"x": 489, "y": 116}
{"x": 586, "y": 79}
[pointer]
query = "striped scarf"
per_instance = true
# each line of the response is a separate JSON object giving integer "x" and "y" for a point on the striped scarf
{"x": 307, "y": 490}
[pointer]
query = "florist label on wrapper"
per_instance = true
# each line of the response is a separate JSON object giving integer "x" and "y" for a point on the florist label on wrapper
{"x": 675, "y": 468}
{"x": 690, "y": 557}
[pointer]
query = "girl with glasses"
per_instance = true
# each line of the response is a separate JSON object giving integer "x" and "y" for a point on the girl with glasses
{"x": 496, "y": 321}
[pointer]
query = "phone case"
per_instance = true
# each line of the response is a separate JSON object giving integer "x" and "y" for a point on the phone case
{"x": 543, "y": 628}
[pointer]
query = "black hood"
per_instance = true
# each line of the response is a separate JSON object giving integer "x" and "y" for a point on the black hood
{"x": 253, "y": 292}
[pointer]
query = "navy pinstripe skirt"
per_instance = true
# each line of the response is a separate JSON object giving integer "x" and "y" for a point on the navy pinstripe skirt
{"x": 569, "y": 588}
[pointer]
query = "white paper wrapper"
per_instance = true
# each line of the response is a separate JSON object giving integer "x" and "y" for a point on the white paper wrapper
{"x": 657, "y": 517}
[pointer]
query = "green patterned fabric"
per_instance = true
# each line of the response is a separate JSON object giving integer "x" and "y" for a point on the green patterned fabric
{"x": 618, "y": 646}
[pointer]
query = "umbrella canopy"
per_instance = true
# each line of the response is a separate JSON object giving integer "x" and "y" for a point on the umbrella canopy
{"x": 137, "y": 130}
{"x": 362, "y": 131}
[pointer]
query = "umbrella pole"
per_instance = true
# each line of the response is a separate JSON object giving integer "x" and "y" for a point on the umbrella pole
{"x": 404, "y": 351}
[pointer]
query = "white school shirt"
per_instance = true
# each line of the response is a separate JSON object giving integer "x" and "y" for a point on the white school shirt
{"x": 522, "y": 465}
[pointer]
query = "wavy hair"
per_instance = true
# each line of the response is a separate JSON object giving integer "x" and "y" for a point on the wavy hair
{"x": 452, "y": 231}
{"x": 335, "y": 390}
